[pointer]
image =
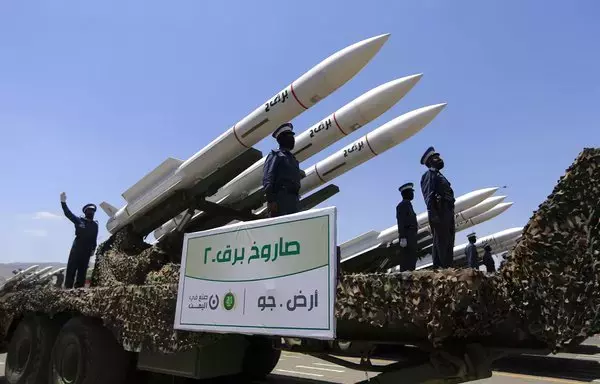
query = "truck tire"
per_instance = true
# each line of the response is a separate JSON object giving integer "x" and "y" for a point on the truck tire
{"x": 260, "y": 358}
{"x": 85, "y": 352}
{"x": 29, "y": 351}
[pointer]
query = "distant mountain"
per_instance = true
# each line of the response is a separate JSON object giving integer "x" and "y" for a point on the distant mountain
{"x": 6, "y": 270}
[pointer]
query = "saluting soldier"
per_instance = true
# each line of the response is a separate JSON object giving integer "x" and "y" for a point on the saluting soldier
{"x": 86, "y": 235}
{"x": 471, "y": 251}
{"x": 439, "y": 198}
{"x": 407, "y": 229}
{"x": 282, "y": 175}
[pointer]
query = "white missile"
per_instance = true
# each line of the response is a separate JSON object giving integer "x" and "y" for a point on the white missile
{"x": 327, "y": 131}
{"x": 372, "y": 144}
{"x": 173, "y": 174}
{"x": 490, "y": 214}
{"x": 374, "y": 239}
{"x": 495, "y": 239}
{"x": 478, "y": 209}
{"x": 461, "y": 226}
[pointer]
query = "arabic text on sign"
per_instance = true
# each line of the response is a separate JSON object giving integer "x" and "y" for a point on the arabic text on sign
{"x": 267, "y": 252}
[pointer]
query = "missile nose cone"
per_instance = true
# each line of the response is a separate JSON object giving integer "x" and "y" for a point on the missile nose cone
{"x": 405, "y": 84}
{"x": 364, "y": 50}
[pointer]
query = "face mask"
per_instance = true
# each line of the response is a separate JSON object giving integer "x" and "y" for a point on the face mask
{"x": 287, "y": 142}
{"x": 408, "y": 195}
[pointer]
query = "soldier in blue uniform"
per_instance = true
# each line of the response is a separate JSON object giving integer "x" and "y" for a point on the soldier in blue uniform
{"x": 471, "y": 251}
{"x": 488, "y": 260}
{"x": 407, "y": 229}
{"x": 282, "y": 175}
{"x": 86, "y": 235}
{"x": 439, "y": 199}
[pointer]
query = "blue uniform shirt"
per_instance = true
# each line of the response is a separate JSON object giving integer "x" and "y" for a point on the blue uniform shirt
{"x": 281, "y": 172}
{"x": 472, "y": 256}
{"x": 407, "y": 221}
{"x": 86, "y": 231}
{"x": 436, "y": 189}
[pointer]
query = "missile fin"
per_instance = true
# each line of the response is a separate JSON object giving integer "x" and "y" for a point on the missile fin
{"x": 153, "y": 177}
{"x": 110, "y": 210}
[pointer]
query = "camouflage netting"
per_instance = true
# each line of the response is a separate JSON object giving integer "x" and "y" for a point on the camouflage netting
{"x": 445, "y": 304}
{"x": 139, "y": 316}
{"x": 549, "y": 283}
{"x": 553, "y": 273}
{"x": 126, "y": 259}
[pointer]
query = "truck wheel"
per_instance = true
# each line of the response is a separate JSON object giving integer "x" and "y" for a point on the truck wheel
{"x": 29, "y": 351}
{"x": 87, "y": 353}
{"x": 261, "y": 358}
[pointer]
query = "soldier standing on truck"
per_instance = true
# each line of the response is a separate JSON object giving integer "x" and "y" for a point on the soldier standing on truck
{"x": 488, "y": 259}
{"x": 439, "y": 199}
{"x": 407, "y": 229}
{"x": 282, "y": 175}
{"x": 471, "y": 251}
{"x": 86, "y": 235}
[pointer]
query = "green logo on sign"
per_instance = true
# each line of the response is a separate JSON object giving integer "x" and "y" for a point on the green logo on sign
{"x": 229, "y": 301}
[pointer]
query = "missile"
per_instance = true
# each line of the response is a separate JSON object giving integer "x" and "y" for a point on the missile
{"x": 373, "y": 239}
{"x": 478, "y": 209}
{"x": 327, "y": 131}
{"x": 495, "y": 240}
{"x": 489, "y": 214}
{"x": 174, "y": 175}
{"x": 372, "y": 144}
{"x": 367, "y": 147}
{"x": 467, "y": 214}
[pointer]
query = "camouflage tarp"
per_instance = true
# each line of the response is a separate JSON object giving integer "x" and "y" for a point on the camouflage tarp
{"x": 550, "y": 283}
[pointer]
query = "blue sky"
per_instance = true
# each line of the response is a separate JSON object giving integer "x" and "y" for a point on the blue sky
{"x": 94, "y": 95}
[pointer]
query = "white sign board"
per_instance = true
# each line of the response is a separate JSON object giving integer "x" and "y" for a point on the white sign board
{"x": 274, "y": 276}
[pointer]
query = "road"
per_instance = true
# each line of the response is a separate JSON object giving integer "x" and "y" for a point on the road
{"x": 581, "y": 365}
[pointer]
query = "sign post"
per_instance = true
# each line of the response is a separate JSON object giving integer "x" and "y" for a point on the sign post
{"x": 274, "y": 276}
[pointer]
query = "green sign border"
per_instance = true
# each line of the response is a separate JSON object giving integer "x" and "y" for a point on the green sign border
{"x": 272, "y": 278}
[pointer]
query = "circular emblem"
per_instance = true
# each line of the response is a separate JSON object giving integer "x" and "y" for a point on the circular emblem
{"x": 229, "y": 301}
{"x": 213, "y": 302}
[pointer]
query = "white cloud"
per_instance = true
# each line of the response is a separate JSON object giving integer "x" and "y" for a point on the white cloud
{"x": 37, "y": 232}
{"x": 43, "y": 215}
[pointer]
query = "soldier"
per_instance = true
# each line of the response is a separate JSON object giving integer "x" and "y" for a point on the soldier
{"x": 282, "y": 174}
{"x": 407, "y": 229}
{"x": 60, "y": 278}
{"x": 471, "y": 251}
{"x": 488, "y": 260}
{"x": 439, "y": 198}
{"x": 86, "y": 235}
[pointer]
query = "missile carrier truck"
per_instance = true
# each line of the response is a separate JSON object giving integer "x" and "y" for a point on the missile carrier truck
{"x": 447, "y": 325}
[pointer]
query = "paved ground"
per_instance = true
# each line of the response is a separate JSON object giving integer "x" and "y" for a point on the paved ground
{"x": 581, "y": 365}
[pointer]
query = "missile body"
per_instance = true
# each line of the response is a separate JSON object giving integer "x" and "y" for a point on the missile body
{"x": 374, "y": 143}
{"x": 488, "y": 215}
{"x": 367, "y": 147}
{"x": 316, "y": 84}
{"x": 374, "y": 239}
{"x": 495, "y": 240}
{"x": 478, "y": 209}
{"x": 327, "y": 131}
